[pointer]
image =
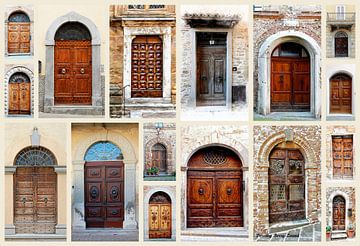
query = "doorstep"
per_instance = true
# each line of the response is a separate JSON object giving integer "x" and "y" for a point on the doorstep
{"x": 214, "y": 234}
{"x": 36, "y": 237}
{"x": 100, "y": 234}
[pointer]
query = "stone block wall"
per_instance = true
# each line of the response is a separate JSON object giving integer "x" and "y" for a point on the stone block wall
{"x": 330, "y": 46}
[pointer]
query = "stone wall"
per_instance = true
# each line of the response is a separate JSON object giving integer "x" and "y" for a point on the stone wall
{"x": 273, "y": 19}
{"x": 308, "y": 138}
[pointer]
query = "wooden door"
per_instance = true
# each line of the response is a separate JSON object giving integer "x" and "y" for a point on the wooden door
{"x": 286, "y": 185}
{"x": 158, "y": 157}
{"x": 19, "y": 94}
{"x": 19, "y": 33}
{"x": 147, "y": 66}
{"x": 338, "y": 213}
{"x": 73, "y": 72}
{"x": 104, "y": 194}
{"x": 214, "y": 189}
{"x": 341, "y": 94}
{"x": 160, "y": 216}
{"x": 342, "y": 152}
{"x": 341, "y": 44}
{"x": 35, "y": 200}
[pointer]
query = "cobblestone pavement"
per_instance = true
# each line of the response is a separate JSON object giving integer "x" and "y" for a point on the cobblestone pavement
{"x": 308, "y": 233}
{"x": 105, "y": 235}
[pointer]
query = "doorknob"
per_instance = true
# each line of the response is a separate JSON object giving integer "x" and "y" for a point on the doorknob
{"x": 229, "y": 191}
{"x": 63, "y": 70}
{"x": 201, "y": 191}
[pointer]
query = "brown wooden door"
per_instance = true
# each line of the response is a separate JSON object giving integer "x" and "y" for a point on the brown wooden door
{"x": 73, "y": 72}
{"x": 214, "y": 189}
{"x": 19, "y": 37}
{"x": 286, "y": 185}
{"x": 341, "y": 94}
{"x": 35, "y": 200}
{"x": 159, "y": 216}
{"x": 341, "y": 44}
{"x": 147, "y": 67}
{"x": 338, "y": 213}
{"x": 104, "y": 194}
{"x": 158, "y": 157}
{"x": 19, "y": 99}
{"x": 342, "y": 152}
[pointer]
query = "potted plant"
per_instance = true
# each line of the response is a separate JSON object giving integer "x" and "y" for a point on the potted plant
{"x": 328, "y": 233}
{"x": 155, "y": 170}
{"x": 350, "y": 231}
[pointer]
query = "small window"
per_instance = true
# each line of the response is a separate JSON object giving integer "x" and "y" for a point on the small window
{"x": 35, "y": 156}
{"x": 156, "y": 6}
{"x": 340, "y": 12}
{"x": 136, "y": 6}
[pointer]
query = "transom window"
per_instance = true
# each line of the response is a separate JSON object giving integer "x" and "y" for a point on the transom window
{"x": 103, "y": 151}
{"x": 19, "y": 78}
{"x": 35, "y": 156}
{"x": 18, "y": 17}
{"x": 142, "y": 6}
{"x": 72, "y": 31}
{"x": 290, "y": 49}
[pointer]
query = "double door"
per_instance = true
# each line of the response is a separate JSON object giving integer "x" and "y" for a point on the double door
{"x": 19, "y": 37}
{"x": 341, "y": 94}
{"x": 159, "y": 220}
{"x": 19, "y": 100}
{"x": 342, "y": 152}
{"x": 338, "y": 213}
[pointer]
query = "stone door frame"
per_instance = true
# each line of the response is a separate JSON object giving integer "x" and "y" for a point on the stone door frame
{"x": 330, "y": 74}
{"x": 165, "y": 34}
{"x": 193, "y": 86}
{"x": 169, "y": 153}
{"x": 347, "y": 205}
{"x": 78, "y": 192}
{"x": 147, "y": 197}
{"x": 9, "y": 73}
{"x": 264, "y": 69}
{"x": 49, "y": 66}
{"x": 349, "y": 36}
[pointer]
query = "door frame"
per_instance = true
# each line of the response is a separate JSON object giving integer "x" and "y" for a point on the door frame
{"x": 348, "y": 33}
{"x": 347, "y": 203}
{"x": 341, "y": 70}
{"x": 228, "y": 87}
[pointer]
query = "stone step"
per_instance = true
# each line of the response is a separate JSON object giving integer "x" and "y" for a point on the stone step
{"x": 338, "y": 235}
{"x": 286, "y": 226}
{"x": 77, "y": 110}
{"x": 218, "y": 232}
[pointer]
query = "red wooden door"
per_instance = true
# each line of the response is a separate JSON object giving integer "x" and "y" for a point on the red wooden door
{"x": 73, "y": 72}
{"x": 160, "y": 216}
{"x": 341, "y": 44}
{"x": 214, "y": 189}
{"x": 19, "y": 94}
{"x": 104, "y": 194}
{"x": 341, "y": 94}
{"x": 338, "y": 213}
{"x": 35, "y": 200}
{"x": 342, "y": 152}
{"x": 286, "y": 185}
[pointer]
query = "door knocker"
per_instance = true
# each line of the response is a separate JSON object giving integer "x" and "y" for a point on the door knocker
{"x": 63, "y": 70}
{"x": 23, "y": 200}
{"x": 229, "y": 191}
{"x": 201, "y": 191}
{"x": 82, "y": 70}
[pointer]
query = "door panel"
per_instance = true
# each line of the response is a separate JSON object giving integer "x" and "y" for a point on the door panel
{"x": 159, "y": 220}
{"x": 341, "y": 95}
{"x": 342, "y": 152}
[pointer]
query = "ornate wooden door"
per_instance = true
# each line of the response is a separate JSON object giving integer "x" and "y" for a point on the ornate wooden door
{"x": 214, "y": 189}
{"x": 73, "y": 72}
{"x": 342, "y": 152}
{"x": 35, "y": 200}
{"x": 104, "y": 194}
{"x": 19, "y": 94}
{"x": 341, "y": 94}
{"x": 160, "y": 216}
{"x": 147, "y": 66}
{"x": 286, "y": 185}
{"x": 19, "y": 33}
{"x": 290, "y": 78}
{"x": 211, "y": 69}
{"x": 341, "y": 44}
{"x": 338, "y": 213}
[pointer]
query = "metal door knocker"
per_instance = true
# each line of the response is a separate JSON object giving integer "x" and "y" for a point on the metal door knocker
{"x": 63, "y": 70}
{"x": 82, "y": 70}
{"x": 229, "y": 191}
{"x": 201, "y": 191}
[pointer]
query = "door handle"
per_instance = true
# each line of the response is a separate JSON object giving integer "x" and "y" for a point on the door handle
{"x": 23, "y": 200}
{"x": 82, "y": 70}
{"x": 229, "y": 191}
{"x": 45, "y": 199}
{"x": 203, "y": 78}
{"x": 201, "y": 191}
{"x": 281, "y": 78}
{"x": 220, "y": 78}
{"x": 63, "y": 70}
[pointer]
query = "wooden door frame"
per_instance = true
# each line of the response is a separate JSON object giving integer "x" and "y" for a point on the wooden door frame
{"x": 347, "y": 202}
{"x": 228, "y": 86}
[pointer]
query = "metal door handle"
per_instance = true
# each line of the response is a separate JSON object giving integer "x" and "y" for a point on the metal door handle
{"x": 63, "y": 71}
{"x": 229, "y": 191}
{"x": 220, "y": 78}
{"x": 23, "y": 200}
{"x": 201, "y": 191}
{"x": 82, "y": 70}
{"x": 45, "y": 199}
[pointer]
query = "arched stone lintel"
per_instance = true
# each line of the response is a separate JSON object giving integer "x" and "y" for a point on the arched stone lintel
{"x": 23, "y": 9}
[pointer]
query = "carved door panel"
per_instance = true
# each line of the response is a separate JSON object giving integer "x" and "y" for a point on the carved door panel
{"x": 211, "y": 76}
{"x": 341, "y": 94}
{"x": 338, "y": 213}
{"x": 341, "y": 46}
{"x": 19, "y": 37}
{"x": 35, "y": 200}
{"x": 342, "y": 156}
{"x": 104, "y": 194}
{"x": 19, "y": 99}
{"x": 159, "y": 217}
{"x": 286, "y": 185}
{"x": 73, "y": 72}
{"x": 147, "y": 66}
{"x": 290, "y": 84}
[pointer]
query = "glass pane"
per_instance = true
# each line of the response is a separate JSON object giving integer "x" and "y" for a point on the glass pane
{"x": 277, "y": 192}
{"x": 295, "y": 166}
{"x": 277, "y": 166}
{"x": 296, "y": 192}
{"x": 102, "y": 151}
{"x": 19, "y": 78}
{"x": 19, "y": 17}
{"x": 35, "y": 156}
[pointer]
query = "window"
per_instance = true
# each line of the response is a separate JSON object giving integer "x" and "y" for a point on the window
{"x": 340, "y": 12}
{"x": 103, "y": 151}
{"x": 341, "y": 44}
{"x": 18, "y": 33}
{"x": 35, "y": 156}
{"x": 158, "y": 157}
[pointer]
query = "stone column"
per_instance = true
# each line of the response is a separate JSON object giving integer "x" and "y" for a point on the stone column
{"x": 130, "y": 222}
{"x": 96, "y": 77}
{"x": 49, "y": 78}
{"x": 78, "y": 208}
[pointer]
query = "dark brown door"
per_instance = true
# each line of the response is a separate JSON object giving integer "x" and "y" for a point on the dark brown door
{"x": 341, "y": 44}
{"x": 286, "y": 185}
{"x": 290, "y": 78}
{"x": 341, "y": 94}
{"x": 214, "y": 189}
{"x": 342, "y": 156}
{"x": 147, "y": 67}
{"x": 19, "y": 94}
{"x": 211, "y": 69}
{"x": 35, "y": 200}
{"x": 19, "y": 37}
{"x": 338, "y": 213}
{"x": 158, "y": 157}
{"x": 73, "y": 72}
{"x": 104, "y": 194}
{"x": 159, "y": 216}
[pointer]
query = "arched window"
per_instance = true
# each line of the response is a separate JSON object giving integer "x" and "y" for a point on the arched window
{"x": 103, "y": 151}
{"x": 35, "y": 156}
{"x": 72, "y": 31}
{"x": 18, "y": 33}
{"x": 341, "y": 44}
{"x": 159, "y": 156}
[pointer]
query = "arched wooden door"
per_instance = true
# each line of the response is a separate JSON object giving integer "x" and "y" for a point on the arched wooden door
{"x": 19, "y": 94}
{"x": 73, "y": 65}
{"x": 290, "y": 78}
{"x": 341, "y": 44}
{"x": 340, "y": 94}
{"x": 35, "y": 191}
{"x": 104, "y": 186}
{"x": 18, "y": 33}
{"x": 160, "y": 216}
{"x": 214, "y": 189}
{"x": 159, "y": 156}
{"x": 338, "y": 213}
{"x": 286, "y": 185}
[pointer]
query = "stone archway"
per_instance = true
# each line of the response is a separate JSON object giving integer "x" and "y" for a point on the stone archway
{"x": 264, "y": 69}
{"x": 97, "y": 101}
